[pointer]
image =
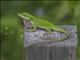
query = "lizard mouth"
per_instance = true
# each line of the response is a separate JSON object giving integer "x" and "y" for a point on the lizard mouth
{"x": 24, "y": 17}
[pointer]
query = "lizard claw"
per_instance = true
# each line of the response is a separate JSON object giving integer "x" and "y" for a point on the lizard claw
{"x": 32, "y": 30}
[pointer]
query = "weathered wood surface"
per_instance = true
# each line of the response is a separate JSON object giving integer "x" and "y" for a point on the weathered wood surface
{"x": 65, "y": 50}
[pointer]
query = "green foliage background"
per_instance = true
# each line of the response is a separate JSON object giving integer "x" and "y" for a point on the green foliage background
{"x": 57, "y": 12}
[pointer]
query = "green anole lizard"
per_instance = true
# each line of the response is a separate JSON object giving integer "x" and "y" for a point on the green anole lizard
{"x": 41, "y": 23}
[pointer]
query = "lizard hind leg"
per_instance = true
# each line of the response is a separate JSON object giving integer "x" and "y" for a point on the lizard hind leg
{"x": 48, "y": 31}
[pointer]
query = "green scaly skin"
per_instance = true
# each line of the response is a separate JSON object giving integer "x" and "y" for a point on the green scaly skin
{"x": 44, "y": 24}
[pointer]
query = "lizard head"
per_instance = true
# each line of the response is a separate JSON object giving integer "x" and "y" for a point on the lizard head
{"x": 26, "y": 16}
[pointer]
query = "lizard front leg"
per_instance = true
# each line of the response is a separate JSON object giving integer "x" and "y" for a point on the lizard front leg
{"x": 34, "y": 27}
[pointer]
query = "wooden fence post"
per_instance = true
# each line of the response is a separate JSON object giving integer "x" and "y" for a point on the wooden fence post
{"x": 65, "y": 50}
